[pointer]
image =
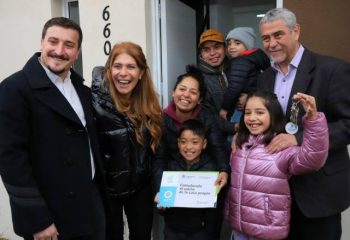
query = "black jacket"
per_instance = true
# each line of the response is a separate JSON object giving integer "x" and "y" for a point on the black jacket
{"x": 327, "y": 191}
{"x": 216, "y": 86}
{"x": 127, "y": 163}
{"x": 45, "y": 153}
{"x": 242, "y": 76}
{"x": 168, "y": 152}
{"x": 189, "y": 220}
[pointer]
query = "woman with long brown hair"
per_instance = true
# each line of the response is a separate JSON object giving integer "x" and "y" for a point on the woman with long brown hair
{"x": 129, "y": 122}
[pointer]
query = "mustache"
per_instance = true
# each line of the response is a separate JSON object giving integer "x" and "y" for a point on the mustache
{"x": 275, "y": 49}
{"x": 61, "y": 57}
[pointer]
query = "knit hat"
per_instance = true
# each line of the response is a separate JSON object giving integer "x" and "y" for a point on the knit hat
{"x": 211, "y": 35}
{"x": 246, "y": 35}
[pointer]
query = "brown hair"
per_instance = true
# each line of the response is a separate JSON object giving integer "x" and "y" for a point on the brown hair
{"x": 64, "y": 23}
{"x": 143, "y": 107}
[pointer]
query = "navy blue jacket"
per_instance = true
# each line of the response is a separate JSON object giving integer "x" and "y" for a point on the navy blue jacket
{"x": 242, "y": 76}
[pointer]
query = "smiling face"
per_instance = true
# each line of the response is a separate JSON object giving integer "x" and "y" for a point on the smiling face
{"x": 235, "y": 48}
{"x": 186, "y": 96}
{"x": 125, "y": 74}
{"x": 213, "y": 53}
{"x": 256, "y": 116}
{"x": 190, "y": 146}
{"x": 279, "y": 41}
{"x": 59, "y": 50}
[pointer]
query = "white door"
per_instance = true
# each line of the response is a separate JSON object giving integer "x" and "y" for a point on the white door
{"x": 178, "y": 43}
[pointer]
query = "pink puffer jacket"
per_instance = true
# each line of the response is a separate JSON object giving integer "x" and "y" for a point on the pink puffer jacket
{"x": 258, "y": 202}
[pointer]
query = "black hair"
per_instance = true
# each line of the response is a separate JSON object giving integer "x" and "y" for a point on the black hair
{"x": 194, "y": 125}
{"x": 64, "y": 23}
{"x": 274, "y": 108}
{"x": 195, "y": 73}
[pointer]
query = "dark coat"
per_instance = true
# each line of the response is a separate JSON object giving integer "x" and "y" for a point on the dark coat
{"x": 242, "y": 76}
{"x": 45, "y": 154}
{"x": 168, "y": 158}
{"x": 216, "y": 86}
{"x": 126, "y": 162}
{"x": 326, "y": 192}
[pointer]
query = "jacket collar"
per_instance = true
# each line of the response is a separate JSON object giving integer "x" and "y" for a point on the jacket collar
{"x": 302, "y": 80}
{"x": 207, "y": 68}
{"x": 303, "y": 77}
{"x": 47, "y": 93}
{"x": 170, "y": 110}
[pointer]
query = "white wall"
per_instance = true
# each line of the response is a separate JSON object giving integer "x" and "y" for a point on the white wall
{"x": 128, "y": 23}
{"x": 22, "y": 21}
{"x": 21, "y": 24}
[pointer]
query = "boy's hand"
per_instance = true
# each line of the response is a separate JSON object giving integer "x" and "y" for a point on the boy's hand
{"x": 156, "y": 201}
{"x": 309, "y": 104}
{"x": 222, "y": 180}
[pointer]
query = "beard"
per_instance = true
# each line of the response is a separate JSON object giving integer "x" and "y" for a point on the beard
{"x": 278, "y": 59}
{"x": 60, "y": 57}
{"x": 57, "y": 72}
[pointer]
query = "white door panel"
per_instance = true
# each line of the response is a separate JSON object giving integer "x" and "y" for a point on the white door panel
{"x": 178, "y": 42}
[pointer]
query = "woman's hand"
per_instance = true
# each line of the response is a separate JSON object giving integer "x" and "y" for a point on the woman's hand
{"x": 222, "y": 180}
{"x": 309, "y": 104}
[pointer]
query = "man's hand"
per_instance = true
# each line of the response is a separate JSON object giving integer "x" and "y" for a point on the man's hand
{"x": 222, "y": 180}
{"x": 46, "y": 234}
{"x": 241, "y": 101}
{"x": 233, "y": 143}
{"x": 223, "y": 114}
{"x": 281, "y": 142}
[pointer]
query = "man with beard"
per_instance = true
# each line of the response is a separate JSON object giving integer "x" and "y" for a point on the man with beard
{"x": 320, "y": 197}
{"x": 49, "y": 159}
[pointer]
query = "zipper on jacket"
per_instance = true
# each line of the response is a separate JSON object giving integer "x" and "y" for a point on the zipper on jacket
{"x": 241, "y": 185}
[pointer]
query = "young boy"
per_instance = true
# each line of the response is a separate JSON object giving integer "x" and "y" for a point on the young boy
{"x": 246, "y": 63}
{"x": 192, "y": 223}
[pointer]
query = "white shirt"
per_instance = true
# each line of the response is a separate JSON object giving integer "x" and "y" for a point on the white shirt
{"x": 68, "y": 91}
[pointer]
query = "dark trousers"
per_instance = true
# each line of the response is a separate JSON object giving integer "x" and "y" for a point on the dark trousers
{"x": 304, "y": 228}
{"x": 138, "y": 208}
{"x": 99, "y": 231}
{"x": 207, "y": 233}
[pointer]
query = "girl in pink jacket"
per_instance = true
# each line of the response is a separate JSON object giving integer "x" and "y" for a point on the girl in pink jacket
{"x": 259, "y": 200}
